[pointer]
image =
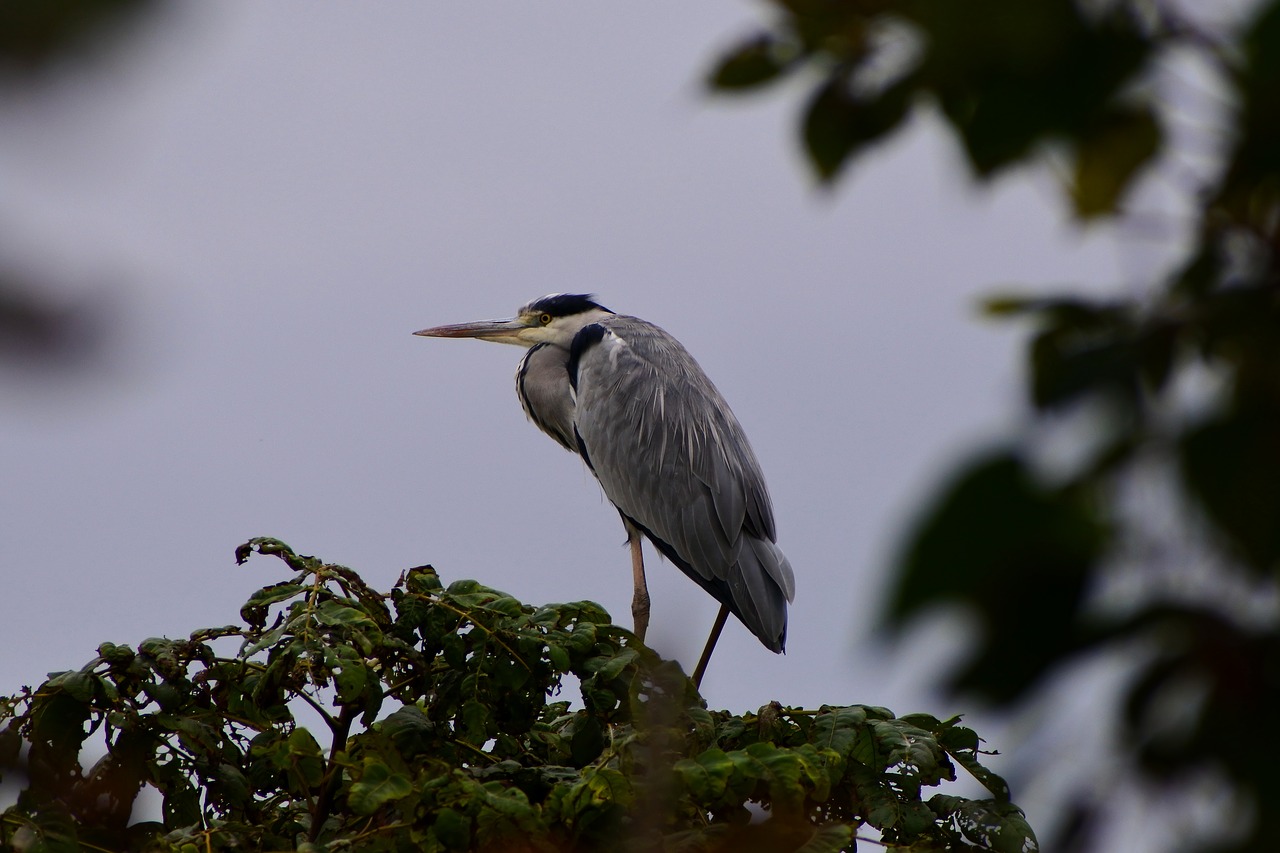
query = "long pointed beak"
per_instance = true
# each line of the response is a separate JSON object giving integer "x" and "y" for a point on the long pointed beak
{"x": 499, "y": 331}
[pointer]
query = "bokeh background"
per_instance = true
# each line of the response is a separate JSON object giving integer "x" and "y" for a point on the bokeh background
{"x": 233, "y": 215}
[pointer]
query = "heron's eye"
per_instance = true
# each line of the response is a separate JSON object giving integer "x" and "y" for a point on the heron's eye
{"x": 544, "y": 319}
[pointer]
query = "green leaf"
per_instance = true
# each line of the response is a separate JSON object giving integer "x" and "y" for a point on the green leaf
{"x": 829, "y": 838}
{"x": 475, "y": 721}
{"x": 607, "y": 669}
{"x": 558, "y": 658}
{"x": 353, "y": 678}
{"x": 117, "y": 655}
{"x": 605, "y": 785}
{"x": 453, "y": 828}
{"x": 995, "y": 826}
{"x": 377, "y": 786}
{"x": 784, "y": 770}
{"x": 275, "y": 593}
{"x": 296, "y": 753}
{"x": 412, "y": 732}
{"x": 334, "y": 612}
{"x": 707, "y": 775}
{"x": 587, "y": 741}
{"x": 77, "y": 684}
{"x": 837, "y": 728}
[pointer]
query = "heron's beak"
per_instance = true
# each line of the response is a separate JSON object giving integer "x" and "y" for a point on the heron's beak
{"x": 498, "y": 331}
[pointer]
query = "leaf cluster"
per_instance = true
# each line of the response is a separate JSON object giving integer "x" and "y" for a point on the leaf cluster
{"x": 1008, "y": 76}
{"x": 445, "y": 731}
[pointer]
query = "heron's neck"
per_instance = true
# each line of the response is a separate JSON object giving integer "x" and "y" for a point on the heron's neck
{"x": 542, "y": 383}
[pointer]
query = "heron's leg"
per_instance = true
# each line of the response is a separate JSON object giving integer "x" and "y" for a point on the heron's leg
{"x": 701, "y": 669}
{"x": 640, "y": 596}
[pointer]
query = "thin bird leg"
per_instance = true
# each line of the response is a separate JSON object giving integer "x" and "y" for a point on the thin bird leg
{"x": 640, "y": 597}
{"x": 701, "y": 669}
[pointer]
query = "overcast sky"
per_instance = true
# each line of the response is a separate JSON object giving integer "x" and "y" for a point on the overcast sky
{"x": 273, "y": 196}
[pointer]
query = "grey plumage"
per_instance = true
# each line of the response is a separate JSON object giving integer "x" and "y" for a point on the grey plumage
{"x": 661, "y": 440}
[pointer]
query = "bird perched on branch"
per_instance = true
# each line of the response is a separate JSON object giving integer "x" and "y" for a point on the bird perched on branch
{"x": 666, "y": 448}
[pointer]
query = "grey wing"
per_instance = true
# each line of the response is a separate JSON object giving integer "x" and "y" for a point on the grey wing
{"x": 672, "y": 457}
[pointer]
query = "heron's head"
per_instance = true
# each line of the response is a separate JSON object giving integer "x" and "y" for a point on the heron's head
{"x": 553, "y": 319}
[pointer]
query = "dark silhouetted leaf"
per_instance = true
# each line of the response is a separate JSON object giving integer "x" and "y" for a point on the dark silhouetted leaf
{"x": 1015, "y": 552}
{"x": 1108, "y": 156}
{"x": 377, "y": 786}
{"x": 839, "y": 123}
{"x": 756, "y": 61}
{"x": 1011, "y": 74}
{"x": 1230, "y": 465}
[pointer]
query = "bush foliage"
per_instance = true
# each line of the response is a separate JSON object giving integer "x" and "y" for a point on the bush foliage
{"x": 447, "y": 729}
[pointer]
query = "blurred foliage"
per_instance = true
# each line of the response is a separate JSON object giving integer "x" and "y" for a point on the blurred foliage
{"x": 1033, "y": 548}
{"x": 37, "y": 36}
{"x": 437, "y": 704}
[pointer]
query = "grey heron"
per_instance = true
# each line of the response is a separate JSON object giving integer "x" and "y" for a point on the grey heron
{"x": 665, "y": 447}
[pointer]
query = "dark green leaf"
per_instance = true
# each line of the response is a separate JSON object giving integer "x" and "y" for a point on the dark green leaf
{"x": 334, "y": 612}
{"x": 995, "y": 826}
{"x": 707, "y": 775}
{"x": 377, "y": 786}
{"x": 78, "y": 684}
{"x": 453, "y": 829}
{"x": 829, "y": 838}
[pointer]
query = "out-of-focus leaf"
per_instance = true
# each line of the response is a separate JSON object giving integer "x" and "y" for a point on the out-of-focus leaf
{"x": 752, "y": 63}
{"x": 1230, "y": 465}
{"x": 1251, "y": 186}
{"x": 838, "y": 123}
{"x": 1014, "y": 551}
{"x": 1070, "y": 360}
{"x": 35, "y": 32}
{"x": 1011, "y": 74}
{"x": 1109, "y": 155}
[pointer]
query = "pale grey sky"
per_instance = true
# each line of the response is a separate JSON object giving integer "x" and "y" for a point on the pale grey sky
{"x": 280, "y": 193}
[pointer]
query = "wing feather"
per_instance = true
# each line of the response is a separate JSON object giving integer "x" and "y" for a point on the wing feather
{"x": 672, "y": 457}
